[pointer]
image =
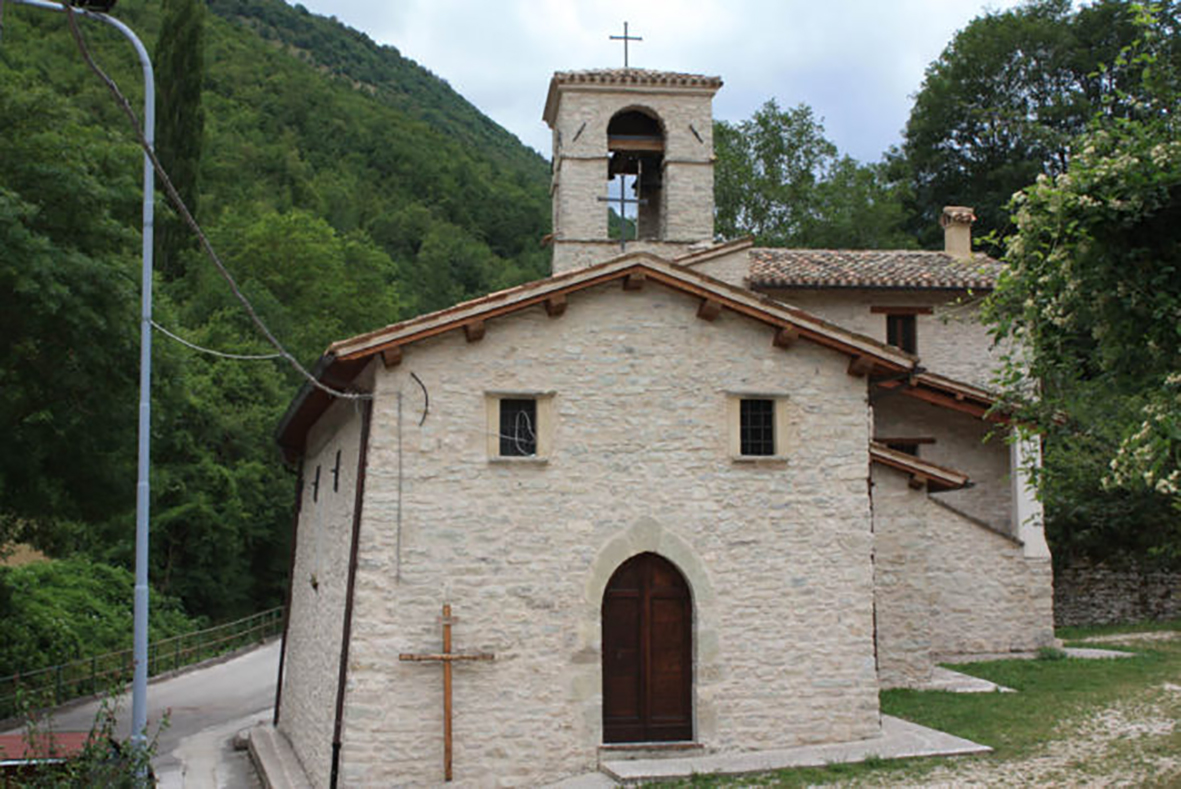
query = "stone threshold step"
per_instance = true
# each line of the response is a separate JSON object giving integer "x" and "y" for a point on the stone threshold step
{"x": 900, "y": 739}
{"x": 648, "y": 750}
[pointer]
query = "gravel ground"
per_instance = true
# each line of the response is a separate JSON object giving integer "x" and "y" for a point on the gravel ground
{"x": 1130, "y": 743}
{"x": 1119, "y": 746}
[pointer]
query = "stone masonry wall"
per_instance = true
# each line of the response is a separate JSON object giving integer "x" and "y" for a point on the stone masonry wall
{"x": 947, "y": 586}
{"x": 580, "y": 254}
{"x": 902, "y": 594}
{"x": 319, "y": 577}
{"x": 732, "y": 268}
{"x": 1096, "y": 594}
{"x": 776, "y": 553}
{"x": 951, "y": 341}
{"x": 985, "y": 595}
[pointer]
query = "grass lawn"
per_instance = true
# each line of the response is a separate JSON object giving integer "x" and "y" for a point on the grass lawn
{"x": 1071, "y": 721}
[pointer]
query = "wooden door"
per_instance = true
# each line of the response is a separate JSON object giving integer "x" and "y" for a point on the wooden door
{"x": 647, "y": 653}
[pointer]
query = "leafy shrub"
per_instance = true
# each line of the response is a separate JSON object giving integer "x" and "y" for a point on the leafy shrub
{"x": 64, "y": 609}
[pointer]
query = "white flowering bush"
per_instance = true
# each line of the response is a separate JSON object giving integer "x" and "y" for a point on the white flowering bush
{"x": 1091, "y": 296}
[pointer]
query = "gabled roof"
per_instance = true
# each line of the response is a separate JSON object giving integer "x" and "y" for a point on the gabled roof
{"x": 646, "y": 266}
{"x": 345, "y": 359}
{"x": 922, "y": 472}
{"x": 842, "y": 268}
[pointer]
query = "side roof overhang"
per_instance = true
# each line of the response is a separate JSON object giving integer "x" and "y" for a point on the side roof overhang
{"x": 922, "y": 473}
{"x": 947, "y": 393}
{"x": 344, "y": 360}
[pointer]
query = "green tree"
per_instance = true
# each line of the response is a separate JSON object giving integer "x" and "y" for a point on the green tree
{"x": 180, "y": 123}
{"x": 61, "y": 610}
{"x": 1092, "y": 299}
{"x": 1006, "y": 98}
{"x": 767, "y": 171}
{"x": 857, "y": 206}
{"x": 68, "y": 307}
{"x": 781, "y": 180}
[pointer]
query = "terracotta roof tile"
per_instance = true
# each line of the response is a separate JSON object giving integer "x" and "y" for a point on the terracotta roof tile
{"x": 839, "y": 268}
{"x": 636, "y": 76}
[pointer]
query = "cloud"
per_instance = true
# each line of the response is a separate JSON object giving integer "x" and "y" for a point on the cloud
{"x": 857, "y": 63}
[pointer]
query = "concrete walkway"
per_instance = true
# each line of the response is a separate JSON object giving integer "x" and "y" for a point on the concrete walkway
{"x": 1084, "y": 653}
{"x": 900, "y": 739}
{"x": 955, "y": 682}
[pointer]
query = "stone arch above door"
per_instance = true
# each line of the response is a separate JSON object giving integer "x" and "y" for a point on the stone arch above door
{"x": 647, "y": 535}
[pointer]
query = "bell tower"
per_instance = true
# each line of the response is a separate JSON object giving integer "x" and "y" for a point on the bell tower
{"x": 636, "y": 140}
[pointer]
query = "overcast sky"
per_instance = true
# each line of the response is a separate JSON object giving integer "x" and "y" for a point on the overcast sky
{"x": 856, "y": 62}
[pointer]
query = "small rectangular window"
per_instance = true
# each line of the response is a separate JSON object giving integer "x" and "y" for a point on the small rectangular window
{"x": 756, "y": 427}
{"x": 518, "y": 427}
{"x": 900, "y": 332}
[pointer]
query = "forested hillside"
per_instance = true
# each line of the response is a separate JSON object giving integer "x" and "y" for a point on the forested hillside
{"x": 345, "y": 186}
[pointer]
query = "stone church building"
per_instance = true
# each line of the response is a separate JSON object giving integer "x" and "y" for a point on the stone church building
{"x": 683, "y": 495}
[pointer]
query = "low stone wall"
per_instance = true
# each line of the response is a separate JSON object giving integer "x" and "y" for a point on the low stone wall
{"x": 1095, "y": 594}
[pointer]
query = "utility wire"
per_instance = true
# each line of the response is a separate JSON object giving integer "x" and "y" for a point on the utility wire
{"x": 182, "y": 209}
{"x": 210, "y": 351}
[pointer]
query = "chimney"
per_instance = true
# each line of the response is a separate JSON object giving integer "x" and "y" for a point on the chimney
{"x": 957, "y": 230}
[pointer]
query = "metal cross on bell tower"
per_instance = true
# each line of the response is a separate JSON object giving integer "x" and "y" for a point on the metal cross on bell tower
{"x": 625, "y": 38}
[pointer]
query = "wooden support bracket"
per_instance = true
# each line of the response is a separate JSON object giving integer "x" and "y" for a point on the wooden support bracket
{"x": 633, "y": 281}
{"x": 474, "y": 331}
{"x": 786, "y": 337}
{"x": 392, "y": 356}
{"x": 709, "y": 310}
{"x": 918, "y": 481}
{"x": 860, "y": 365}
{"x": 555, "y": 305}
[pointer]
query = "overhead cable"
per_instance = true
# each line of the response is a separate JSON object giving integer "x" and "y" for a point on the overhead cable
{"x": 179, "y": 204}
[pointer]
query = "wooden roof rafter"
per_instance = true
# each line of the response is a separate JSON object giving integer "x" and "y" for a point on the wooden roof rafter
{"x": 922, "y": 473}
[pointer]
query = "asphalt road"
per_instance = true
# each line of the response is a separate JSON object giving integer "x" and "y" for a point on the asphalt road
{"x": 204, "y": 707}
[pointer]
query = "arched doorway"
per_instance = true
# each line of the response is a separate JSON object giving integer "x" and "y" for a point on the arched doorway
{"x": 647, "y": 653}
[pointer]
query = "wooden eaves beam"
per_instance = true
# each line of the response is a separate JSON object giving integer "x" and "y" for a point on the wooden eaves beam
{"x": 785, "y": 337}
{"x": 709, "y": 310}
{"x": 555, "y": 305}
{"x": 474, "y": 331}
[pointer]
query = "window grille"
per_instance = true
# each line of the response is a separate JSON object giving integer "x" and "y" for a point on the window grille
{"x": 518, "y": 431}
{"x": 756, "y": 427}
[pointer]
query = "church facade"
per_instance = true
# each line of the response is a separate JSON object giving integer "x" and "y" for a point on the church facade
{"x": 682, "y": 495}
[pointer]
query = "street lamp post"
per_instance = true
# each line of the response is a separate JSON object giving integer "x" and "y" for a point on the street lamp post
{"x": 139, "y": 687}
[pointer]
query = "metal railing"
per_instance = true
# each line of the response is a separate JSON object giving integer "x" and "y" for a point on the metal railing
{"x": 112, "y": 671}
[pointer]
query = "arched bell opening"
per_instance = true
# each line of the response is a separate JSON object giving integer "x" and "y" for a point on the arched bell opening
{"x": 635, "y": 170}
{"x": 647, "y": 633}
